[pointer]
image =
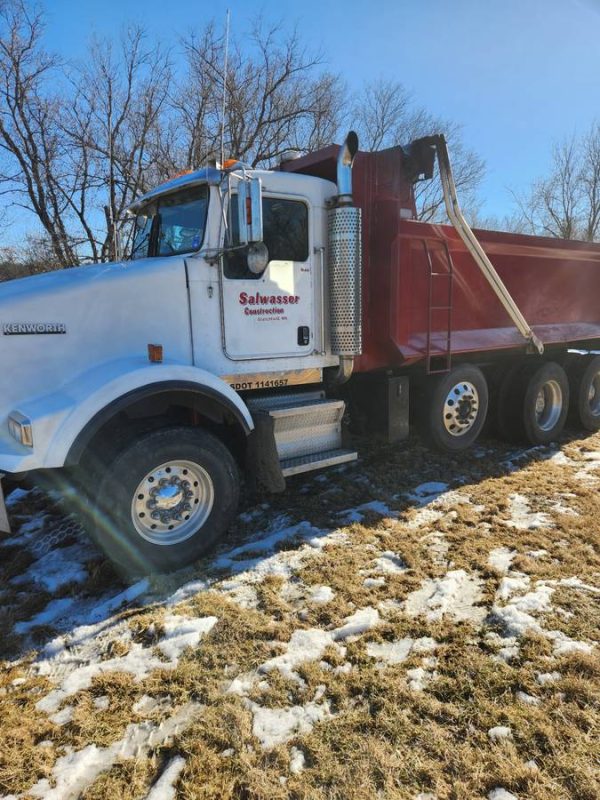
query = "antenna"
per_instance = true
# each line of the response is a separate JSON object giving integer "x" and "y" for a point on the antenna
{"x": 224, "y": 88}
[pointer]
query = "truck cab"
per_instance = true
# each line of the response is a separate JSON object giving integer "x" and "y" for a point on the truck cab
{"x": 247, "y": 319}
{"x": 201, "y": 355}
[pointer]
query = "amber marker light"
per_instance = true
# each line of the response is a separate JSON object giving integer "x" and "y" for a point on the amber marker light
{"x": 155, "y": 353}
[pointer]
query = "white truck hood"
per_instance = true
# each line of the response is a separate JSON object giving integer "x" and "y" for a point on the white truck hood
{"x": 57, "y": 325}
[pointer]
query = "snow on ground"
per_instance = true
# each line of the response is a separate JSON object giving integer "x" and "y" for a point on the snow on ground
{"x": 297, "y": 760}
{"x": 501, "y": 558}
{"x": 456, "y": 594}
{"x": 321, "y": 595}
{"x": 388, "y": 563}
{"x": 309, "y": 645}
{"x": 357, "y": 514}
{"x": 415, "y": 568}
{"x": 57, "y": 568}
{"x": 501, "y": 794}
{"x": 398, "y": 651}
{"x": 499, "y": 733}
{"x": 75, "y": 771}
{"x": 164, "y": 788}
{"x": 274, "y": 726}
{"x": 518, "y": 606}
{"x": 64, "y": 662}
{"x": 521, "y": 516}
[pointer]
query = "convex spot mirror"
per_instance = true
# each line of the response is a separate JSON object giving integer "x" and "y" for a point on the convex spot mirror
{"x": 250, "y": 211}
{"x": 258, "y": 257}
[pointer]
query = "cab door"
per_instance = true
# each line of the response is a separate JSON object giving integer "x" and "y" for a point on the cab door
{"x": 271, "y": 314}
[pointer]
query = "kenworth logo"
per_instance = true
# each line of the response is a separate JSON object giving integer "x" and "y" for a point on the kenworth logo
{"x": 24, "y": 328}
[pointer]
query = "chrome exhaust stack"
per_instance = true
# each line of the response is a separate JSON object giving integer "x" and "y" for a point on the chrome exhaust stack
{"x": 344, "y": 169}
{"x": 345, "y": 265}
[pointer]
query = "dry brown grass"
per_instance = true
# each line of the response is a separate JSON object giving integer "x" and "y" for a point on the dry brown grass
{"x": 383, "y": 739}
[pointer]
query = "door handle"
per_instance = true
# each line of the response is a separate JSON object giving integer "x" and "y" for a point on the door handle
{"x": 303, "y": 335}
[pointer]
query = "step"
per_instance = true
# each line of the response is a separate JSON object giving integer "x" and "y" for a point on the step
{"x": 305, "y": 426}
{"x": 329, "y": 458}
{"x": 269, "y": 401}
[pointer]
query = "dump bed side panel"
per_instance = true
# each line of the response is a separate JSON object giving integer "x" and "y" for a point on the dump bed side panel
{"x": 555, "y": 283}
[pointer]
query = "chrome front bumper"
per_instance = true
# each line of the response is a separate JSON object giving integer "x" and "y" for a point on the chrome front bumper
{"x": 4, "y": 523}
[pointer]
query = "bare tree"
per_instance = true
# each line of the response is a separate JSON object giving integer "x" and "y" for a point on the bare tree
{"x": 79, "y": 143}
{"x": 566, "y": 203}
{"x": 512, "y": 223}
{"x": 386, "y": 116}
{"x": 36, "y": 255}
{"x": 31, "y": 142}
{"x": 590, "y": 180}
{"x": 382, "y": 111}
{"x": 276, "y": 98}
{"x": 113, "y": 126}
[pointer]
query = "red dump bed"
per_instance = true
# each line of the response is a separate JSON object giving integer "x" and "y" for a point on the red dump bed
{"x": 414, "y": 271}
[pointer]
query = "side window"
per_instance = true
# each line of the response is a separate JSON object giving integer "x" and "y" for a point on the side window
{"x": 285, "y": 227}
{"x": 142, "y": 236}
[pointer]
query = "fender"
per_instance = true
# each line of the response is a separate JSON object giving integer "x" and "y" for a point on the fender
{"x": 82, "y": 406}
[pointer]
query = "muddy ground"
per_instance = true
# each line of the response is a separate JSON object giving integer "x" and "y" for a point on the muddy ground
{"x": 409, "y": 626}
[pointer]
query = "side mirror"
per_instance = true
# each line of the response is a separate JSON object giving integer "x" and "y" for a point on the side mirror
{"x": 250, "y": 211}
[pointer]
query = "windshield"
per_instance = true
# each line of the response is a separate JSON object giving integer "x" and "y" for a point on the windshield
{"x": 173, "y": 225}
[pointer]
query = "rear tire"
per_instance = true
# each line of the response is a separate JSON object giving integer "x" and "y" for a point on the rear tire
{"x": 164, "y": 500}
{"x": 584, "y": 383}
{"x": 535, "y": 403}
{"x": 456, "y": 408}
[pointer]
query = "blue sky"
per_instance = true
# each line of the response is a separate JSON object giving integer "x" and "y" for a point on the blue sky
{"x": 517, "y": 74}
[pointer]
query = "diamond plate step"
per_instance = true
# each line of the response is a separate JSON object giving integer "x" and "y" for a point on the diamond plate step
{"x": 305, "y": 427}
{"x": 294, "y": 466}
{"x": 266, "y": 402}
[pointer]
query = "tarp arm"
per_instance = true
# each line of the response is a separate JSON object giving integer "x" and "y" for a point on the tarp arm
{"x": 470, "y": 240}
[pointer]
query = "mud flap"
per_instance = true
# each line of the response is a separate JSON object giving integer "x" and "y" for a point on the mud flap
{"x": 263, "y": 469}
{"x": 4, "y": 523}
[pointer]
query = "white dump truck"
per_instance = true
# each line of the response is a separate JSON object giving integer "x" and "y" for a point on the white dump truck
{"x": 253, "y": 305}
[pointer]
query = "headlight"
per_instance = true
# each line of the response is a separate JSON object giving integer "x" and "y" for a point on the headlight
{"x": 20, "y": 428}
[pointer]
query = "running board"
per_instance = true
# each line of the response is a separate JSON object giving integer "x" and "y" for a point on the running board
{"x": 331, "y": 458}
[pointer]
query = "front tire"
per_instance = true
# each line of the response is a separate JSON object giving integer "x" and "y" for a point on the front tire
{"x": 165, "y": 500}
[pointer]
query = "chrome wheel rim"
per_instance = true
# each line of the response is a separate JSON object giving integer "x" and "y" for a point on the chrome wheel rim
{"x": 172, "y": 502}
{"x": 548, "y": 405}
{"x": 594, "y": 395}
{"x": 461, "y": 408}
